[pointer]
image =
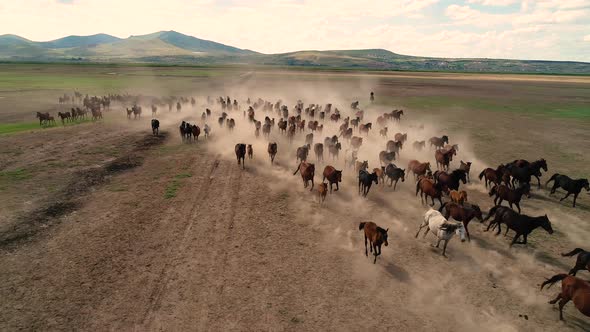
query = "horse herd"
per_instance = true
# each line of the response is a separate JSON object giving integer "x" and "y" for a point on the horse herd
{"x": 509, "y": 182}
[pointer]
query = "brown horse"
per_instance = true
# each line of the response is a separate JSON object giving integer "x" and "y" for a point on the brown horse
{"x": 492, "y": 175}
{"x": 458, "y": 197}
{"x": 452, "y": 180}
{"x": 307, "y": 171}
{"x": 466, "y": 166}
{"x": 444, "y": 158}
{"x": 380, "y": 171}
{"x": 196, "y": 132}
{"x": 356, "y": 142}
{"x": 241, "y": 154}
{"x": 333, "y": 176}
{"x": 418, "y": 168}
{"x": 361, "y": 166}
{"x": 572, "y": 288}
{"x": 318, "y": 149}
{"x": 376, "y": 235}
{"x": 419, "y": 145}
{"x": 513, "y": 196}
{"x": 426, "y": 188}
{"x": 322, "y": 192}
{"x": 462, "y": 213}
{"x": 272, "y": 151}
{"x": 383, "y": 132}
{"x": 401, "y": 137}
{"x": 250, "y": 151}
{"x": 394, "y": 146}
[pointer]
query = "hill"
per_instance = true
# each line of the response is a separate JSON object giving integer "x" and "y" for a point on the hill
{"x": 171, "y": 47}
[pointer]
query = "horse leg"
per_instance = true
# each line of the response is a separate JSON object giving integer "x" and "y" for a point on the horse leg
{"x": 438, "y": 242}
{"x": 394, "y": 185}
{"x": 311, "y": 184}
{"x": 514, "y": 239}
{"x": 575, "y": 196}
{"x": 420, "y": 229}
{"x": 518, "y": 206}
{"x": 564, "y": 197}
{"x": 557, "y": 298}
{"x": 506, "y": 233}
{"x": 366, "y": 253}
{"x": 432, "y": 197}
{"x": 539, "y": 181}
{"x": 337, "y": 187}
{"x": 562, "y": 303}
{"x": 467, "y": 232}
{"x": 525, "y": 238}
{"x": 553, "y": 188}
{"x": 444, "y": 253}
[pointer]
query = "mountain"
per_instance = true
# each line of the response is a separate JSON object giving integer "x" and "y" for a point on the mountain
{"x": 171, "y": 47}
{"x": 80, "y": 41}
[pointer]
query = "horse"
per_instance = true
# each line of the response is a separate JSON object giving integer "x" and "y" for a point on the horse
{"x": 419, "y": 145}
{"x": 250, "y": 151}
{"x": 418, "y": 168}
{"x": 309, "y": 139}
{"x": 196, "y": 131}
{"x": 462, "y": 213}
{"x": 520, "y": 223}
{"x": 451, "y": 181}
{"x": 322, "y": 192}
{"x": 512, "y": 196}
{"x": 266, "y": 130}
{"x": 356, "y": 142}
{"x": 376, "y": 235}
{"x": 569, "y": 185}
{"x": 207, "y": 130}
{"x": 383, "y": 132}
{"x": 334, "y": 176}
{"x": 444, "y": 230}
{"x": 394, "y": 174}
{"x": 241, "y": 154}
{"x": 572, "y": 288}
{"x": 366, "y": 179}
{"x": 318, "y": 149}
{"x": 43, "y": 117}
{"x": 582, "y": 261}
{"x": 522, "y": 174}
{"x": 399, "y": 137}
{"x": 365, "y": 128}
{"x": 394, "y": 146}
{"x": 458, "y": 197}
{"x": 535, "y": 167}
{"x": 64, "y": 116}
{"x": 386, "y": 157}
{"x": 302, "y": 152}
{"x": 155, "y": 127}
{"x": 444, "y": 158}
{"x": 427, "y": 187}
{"x": 439, "y": 142}
{"x": 272, "y": 151}
{"x": 396, "y": 115}
{"x": 491, "y": 175}
{"x": 334, "y": 150}
{"x": 307, "y": 171}
{"x": 361, "y": 166}
{"x": 129, "y": 112}
{"x": 466, "y": 166}
{"x": 380, "y": 171}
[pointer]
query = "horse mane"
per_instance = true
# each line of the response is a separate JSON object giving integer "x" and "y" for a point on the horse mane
{"x": 381, "y": 230}
{"x": 457, "y": 171}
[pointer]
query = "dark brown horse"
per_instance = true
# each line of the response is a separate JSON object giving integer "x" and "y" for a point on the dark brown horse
{"x": 450, "y": 181}
{"x": 427, "y": 188}
{"x": 572, "y": 288}
{"x": 376, "y": 235}
{"x": 439, "y": 142}
{"x": 582, "y": 261}
{"x": 491, "y": 175}
{"x": 395, "y": 174}
{"x": 241, "y": 154}
{"x": 386, "y": 157}
{"x": 520, "y": 223}
{"x": 512, "y": 196}
{"x": 272, "y": 151}
{"x": 462, "y": 213}
{"x": 419, "y": 145}
{"x": 307, "y": 171}
{"x": 418, "y": 168}
{"x": 394, "y": 146}
{"x": 318, "y": 149}
{"x": 466, "y": 166}
{"x": 366, "y": 179}
{"x": 334, "y": 176}
{"x": 250, "y": 151}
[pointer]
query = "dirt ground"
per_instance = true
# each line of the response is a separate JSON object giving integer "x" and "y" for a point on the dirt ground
{"x": 104, "y": 227}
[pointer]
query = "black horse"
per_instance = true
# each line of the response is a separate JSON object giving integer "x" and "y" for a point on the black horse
{"x": 155, "y": 127}
{"x": 582, "y": 262}
{"x": 241, "y": 154}
{"x": 535, "y": 167}
{"x": 522, "y": 174}
{"x": 451, "y": 181}
{"x": 520, "y": 223}
{"x": 395, "y": 173}
{"x": 366, "y": 179}
{"x": 569, "y": 185}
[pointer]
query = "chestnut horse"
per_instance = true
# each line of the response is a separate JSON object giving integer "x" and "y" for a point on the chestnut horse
{"x": 418, "y": 168}
{"x": 458, "y": 197}
{"x": 376, "y": 235}
{"x": 307, "y": 172}
{"x": 439, "y": 142}
{"x": 333, "y": 176}
{"x": 444, "y": 158}
{"x": 572, "y": 288}
{"x": 426, "y": 188}
{"x": 492, "y": 175}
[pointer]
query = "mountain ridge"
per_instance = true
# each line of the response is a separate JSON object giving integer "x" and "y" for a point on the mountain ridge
{"x": 171, "y": 47}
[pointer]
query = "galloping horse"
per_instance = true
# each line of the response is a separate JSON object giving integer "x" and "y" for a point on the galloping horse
{"x": 376, "y": 236}
{"x": 444, "y": 230}
{"x": 572, "y": 288}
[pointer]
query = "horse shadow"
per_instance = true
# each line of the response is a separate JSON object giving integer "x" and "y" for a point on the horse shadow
{"x": 397, "y": 272}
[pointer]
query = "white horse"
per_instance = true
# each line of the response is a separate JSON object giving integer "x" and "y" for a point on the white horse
{"x": 441, "y": 227}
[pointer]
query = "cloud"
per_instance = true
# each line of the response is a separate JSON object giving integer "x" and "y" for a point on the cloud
{"x": 493, "y": 2}
{"x": 587, "y": 38}
{"x": 67, "y": 2}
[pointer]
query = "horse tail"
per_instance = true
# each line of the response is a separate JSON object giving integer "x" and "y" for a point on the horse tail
{"x": 482, "y": 174}
{"x": 491, "y": 213}
{"x": 361, "y": 226}
{"x": 553, "y": 280}
{"x": 552, "y": 178}
{"x": 573, "y": 252}
{"x": 440, "y": 209}
{"x": 298, "y": 167}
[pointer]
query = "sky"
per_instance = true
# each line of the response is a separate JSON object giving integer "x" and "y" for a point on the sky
{"x": 512, "y": 29}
